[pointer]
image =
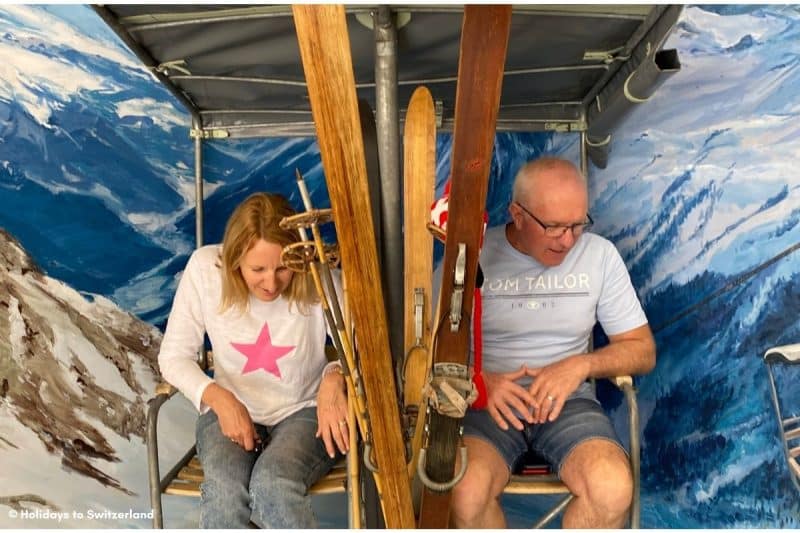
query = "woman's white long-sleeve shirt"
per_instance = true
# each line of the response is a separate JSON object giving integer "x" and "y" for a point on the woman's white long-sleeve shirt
{"x": 271, "y": 357}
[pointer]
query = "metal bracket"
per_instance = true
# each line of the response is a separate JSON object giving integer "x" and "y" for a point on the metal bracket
{"x": 560, "y": 127}
{"x": 177, "y": 64}
{"x": 450, "y": 370}
{"x": 195, "y": 133}
{"x": 368, "y": 462}
{"x": 435, "y": 485}
{"x": 438, "y": 109}
{"x": 605, "y": 56}
{"x": 419, "y": 304}
{"x": 457, "y": 298}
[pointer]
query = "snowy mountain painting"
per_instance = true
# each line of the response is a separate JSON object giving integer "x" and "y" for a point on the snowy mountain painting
{"x": 700, "y": 196}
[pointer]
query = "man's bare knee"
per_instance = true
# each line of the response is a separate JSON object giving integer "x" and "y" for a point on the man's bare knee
{"x": 598, "y": 473}
{"x": 475, "y": 501}
{"x": 610, "y": 486}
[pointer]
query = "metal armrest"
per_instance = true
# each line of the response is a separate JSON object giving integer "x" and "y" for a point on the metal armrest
{"x": 165, "y": 388}
{"x": 788, "y": 353}
{"x": 788, "y": 427}
{"x": 621, "y": 381}
{"x": 625, "y": 384}
{"x": 164, "y": 391}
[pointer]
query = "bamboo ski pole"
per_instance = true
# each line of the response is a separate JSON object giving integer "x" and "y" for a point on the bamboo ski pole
{"x": 342, "y": 348}
{"x": 332, "y": 310}
{"x": 350, "y": 367}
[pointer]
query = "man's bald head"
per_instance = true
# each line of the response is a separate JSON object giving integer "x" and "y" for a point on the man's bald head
{"x": 548, "y": 192}
{"x": 543, "y": 172}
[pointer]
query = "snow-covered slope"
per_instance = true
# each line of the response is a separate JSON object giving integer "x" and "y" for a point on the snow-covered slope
{"x": 75, "y": 374}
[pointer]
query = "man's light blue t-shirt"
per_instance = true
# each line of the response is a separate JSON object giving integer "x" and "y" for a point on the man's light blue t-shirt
{"x": 537, "y": 315}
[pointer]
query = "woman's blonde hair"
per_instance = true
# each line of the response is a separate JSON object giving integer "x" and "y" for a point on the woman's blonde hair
{"x": 258, "y": 217}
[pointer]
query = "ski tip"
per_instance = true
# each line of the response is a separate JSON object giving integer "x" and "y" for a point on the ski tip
{"x": 421, "y": 93}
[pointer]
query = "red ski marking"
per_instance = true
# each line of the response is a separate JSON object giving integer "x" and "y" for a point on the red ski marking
{"x": 475, "y": 164}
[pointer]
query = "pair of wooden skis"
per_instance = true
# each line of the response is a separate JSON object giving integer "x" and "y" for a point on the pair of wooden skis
{"x": 325, "y": 50}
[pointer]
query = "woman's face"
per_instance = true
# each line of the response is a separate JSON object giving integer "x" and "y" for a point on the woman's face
{"x": 263, "y": 273}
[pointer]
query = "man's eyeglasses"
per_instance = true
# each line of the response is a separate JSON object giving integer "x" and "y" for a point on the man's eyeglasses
{"x": 557, "y": 230}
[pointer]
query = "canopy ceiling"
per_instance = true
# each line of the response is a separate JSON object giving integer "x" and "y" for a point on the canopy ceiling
{"x": 238, "y": 68}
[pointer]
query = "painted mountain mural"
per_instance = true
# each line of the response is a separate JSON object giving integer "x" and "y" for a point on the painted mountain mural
{"x": 701, "y": 196}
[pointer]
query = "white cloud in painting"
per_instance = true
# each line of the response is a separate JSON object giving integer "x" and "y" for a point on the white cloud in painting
{"x": 32, "y": 80}
{"x": 38, "y": 24}
{"x": 163, "y": 115}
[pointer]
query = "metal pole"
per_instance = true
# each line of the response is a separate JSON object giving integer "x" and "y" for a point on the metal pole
{"x": 390, "y": 239}
{"x": 152, "y": 459}
{"x": 584, "y": 156}
{"x": 553, "y": 512}
{"x": 197, "y": 128}
{"x": 635, "y": 444}
{"x": 197, "y": 133}
{"x": 388, "y": 130}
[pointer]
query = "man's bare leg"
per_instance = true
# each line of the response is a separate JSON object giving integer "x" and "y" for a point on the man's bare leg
{"x": 476, "y": 498}
{"x": 598, "y": 474}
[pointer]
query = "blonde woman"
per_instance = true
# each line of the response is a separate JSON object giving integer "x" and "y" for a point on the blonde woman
{"x": 261, "y": 438}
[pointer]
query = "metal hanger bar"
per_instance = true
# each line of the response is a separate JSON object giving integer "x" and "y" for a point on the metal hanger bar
{"x": 154, "y": 21}
{"x": 256, "y": 111}
{"x": 157, "y": 21}
{"x": 543, "y": 104}
{"x": 369, "y": 85}
{"x": 240, "y": 79}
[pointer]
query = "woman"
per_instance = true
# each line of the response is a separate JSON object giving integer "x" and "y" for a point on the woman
{"x": 272, "y": 393}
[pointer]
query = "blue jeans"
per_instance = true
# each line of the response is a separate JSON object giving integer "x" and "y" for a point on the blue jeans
{"x": 269, "y": 489}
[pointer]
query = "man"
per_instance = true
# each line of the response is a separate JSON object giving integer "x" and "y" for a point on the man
{"x": 547, "y": 282}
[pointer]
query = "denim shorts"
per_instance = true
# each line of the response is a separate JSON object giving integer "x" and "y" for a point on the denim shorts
{"x": 581, "y": 419}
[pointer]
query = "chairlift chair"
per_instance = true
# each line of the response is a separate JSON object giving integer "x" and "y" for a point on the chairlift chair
{"x": 185, "y": 477}
{"x": 789, "y": 426}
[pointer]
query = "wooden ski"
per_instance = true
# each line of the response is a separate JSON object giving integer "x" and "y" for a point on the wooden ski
{"x": 419, "y": 182}
{"x": 373, "y": 518}
{"x": 327, "y": 63}
{"x": 484, "y": 39}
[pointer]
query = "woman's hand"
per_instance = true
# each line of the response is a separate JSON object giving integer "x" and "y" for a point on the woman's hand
{"x": 234, "y": 420}
{"x": 332, "y": 413}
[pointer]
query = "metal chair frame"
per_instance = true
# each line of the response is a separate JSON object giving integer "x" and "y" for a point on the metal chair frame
{"x": 185, "y": 476}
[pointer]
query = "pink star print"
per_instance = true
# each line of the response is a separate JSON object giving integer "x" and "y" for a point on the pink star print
{"x": 262, "y": 353}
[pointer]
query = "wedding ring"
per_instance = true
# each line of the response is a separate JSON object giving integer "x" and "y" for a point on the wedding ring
{"x": 342, "y": 423}
{"x": 551, "y": 398}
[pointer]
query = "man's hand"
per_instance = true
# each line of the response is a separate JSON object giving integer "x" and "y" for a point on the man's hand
{"x": 504, "y": 396}
{"x": 332, "y": 413}
{"x": 234, "y": 420}
{"x": 552, "y": 385}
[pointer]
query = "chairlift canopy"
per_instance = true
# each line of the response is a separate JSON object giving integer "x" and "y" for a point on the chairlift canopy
{"x": 238, "y": 68}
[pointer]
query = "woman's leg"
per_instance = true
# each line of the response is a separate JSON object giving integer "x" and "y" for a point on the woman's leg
{"x": 224, "y": 496}
{"x": 293, "y": 460}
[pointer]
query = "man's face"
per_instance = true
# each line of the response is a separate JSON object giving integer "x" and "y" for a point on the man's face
{"x": 558, "y": 201}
